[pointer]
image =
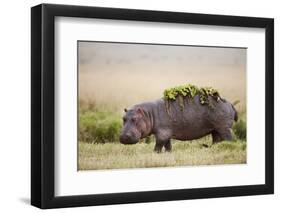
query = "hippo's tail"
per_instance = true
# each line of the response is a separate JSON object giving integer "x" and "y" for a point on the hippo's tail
{"x": 235, "y": 113}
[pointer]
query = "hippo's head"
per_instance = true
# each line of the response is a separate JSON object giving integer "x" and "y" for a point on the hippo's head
{"x": 134, "y": 126}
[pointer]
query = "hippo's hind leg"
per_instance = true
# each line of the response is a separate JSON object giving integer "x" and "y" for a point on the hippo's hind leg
{"x": 221, "y": 135}
{"x": 216, "y": 137}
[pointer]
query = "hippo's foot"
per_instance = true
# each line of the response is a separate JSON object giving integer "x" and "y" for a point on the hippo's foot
{"x": 158, "y": 148}
{"x": 168, "y": 146}
{"x": 216, "y": 137}
{"x": 221, "y": 135}
{"x": 159, "y": 145}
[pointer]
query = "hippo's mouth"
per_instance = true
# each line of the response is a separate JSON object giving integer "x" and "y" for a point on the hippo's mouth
{"x": 127, "y": 141}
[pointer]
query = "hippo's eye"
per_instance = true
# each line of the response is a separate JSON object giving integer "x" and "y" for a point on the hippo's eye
{"x": 124, "y": 120}
{"x": 133, "y": 119}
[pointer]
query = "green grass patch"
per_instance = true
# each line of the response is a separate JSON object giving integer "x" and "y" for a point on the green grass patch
{"x": 99, "y": 127}
{"x": 240, "y": 129}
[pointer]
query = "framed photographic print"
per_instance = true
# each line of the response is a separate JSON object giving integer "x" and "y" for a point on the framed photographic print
{"x": 139, "y": 106}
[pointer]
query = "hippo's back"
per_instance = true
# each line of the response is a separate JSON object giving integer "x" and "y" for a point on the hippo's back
{"x": 189, "y": 119}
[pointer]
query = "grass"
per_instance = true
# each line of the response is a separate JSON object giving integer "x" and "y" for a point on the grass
{"x": 99, "y": 147}
{"x": 240, "y": 129}
{"x": 116, "y": 156}
{"x": 99, "y": 127}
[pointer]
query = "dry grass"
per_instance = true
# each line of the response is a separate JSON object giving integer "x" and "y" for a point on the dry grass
{"x": 117, "y": 156}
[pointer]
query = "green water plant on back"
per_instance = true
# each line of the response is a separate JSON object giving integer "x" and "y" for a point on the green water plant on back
{"x": 179, "y": 93}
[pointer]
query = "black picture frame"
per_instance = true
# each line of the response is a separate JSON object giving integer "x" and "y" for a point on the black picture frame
{"x": 43, "y": 102}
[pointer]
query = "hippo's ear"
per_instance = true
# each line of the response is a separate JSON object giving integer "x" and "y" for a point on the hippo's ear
{"x": 140, "y": 111}
{"x": 125, "y": 110}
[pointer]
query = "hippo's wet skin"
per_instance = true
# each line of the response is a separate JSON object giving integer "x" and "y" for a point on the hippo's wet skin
{"x": 190, "y": 122}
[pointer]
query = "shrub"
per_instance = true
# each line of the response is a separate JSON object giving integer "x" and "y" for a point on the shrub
{"x": 99, "y": 127}
{"x": 240, "y": 129}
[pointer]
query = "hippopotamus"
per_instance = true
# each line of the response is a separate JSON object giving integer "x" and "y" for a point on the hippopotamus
{"x": 190, "y": 122}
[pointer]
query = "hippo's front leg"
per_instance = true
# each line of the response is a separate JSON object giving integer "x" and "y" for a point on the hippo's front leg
{"x": 158, "y": 146}
{"x": 163, "y": 138}
{"x": 168, "y": 146}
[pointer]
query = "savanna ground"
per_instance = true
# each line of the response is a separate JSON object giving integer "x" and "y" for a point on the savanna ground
{"x": 114, "y": 155}
{"x": 108, "y": 83}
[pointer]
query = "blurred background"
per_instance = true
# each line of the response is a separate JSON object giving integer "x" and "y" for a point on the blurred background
{"x": 113, "y": 76}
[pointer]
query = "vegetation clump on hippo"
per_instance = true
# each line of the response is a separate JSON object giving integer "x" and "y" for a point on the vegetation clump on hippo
{"x": 190, "y": 91}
